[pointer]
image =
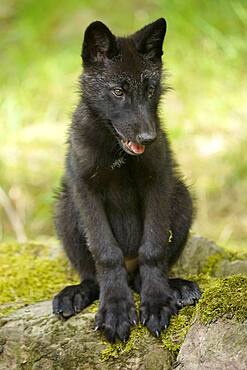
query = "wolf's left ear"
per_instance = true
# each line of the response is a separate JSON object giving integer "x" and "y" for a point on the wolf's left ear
{"x": 149, "y": 40}
{"x": 99, "y": 44}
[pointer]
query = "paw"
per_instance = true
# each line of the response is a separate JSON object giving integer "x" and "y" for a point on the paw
{"x": 74, "y": 298}
{"x": 185, "y": 292}
{"x": 115, "y": 318}
{"x": 156, "y": 310}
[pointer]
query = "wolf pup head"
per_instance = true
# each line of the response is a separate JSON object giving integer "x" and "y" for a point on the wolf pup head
{"x": 121, "y": 81}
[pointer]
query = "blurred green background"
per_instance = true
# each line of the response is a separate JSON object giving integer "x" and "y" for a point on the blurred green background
{"x": 205, "y": 55}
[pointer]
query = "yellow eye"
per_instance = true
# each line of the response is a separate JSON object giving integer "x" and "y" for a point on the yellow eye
{"x": 118, "y": 92}
{"x": 150, "y": 91}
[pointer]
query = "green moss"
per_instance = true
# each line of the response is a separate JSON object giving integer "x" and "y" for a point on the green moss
{"x": 6, "y": 309}
{"x": 93, "y": 308}
{"x": 221, "y": 298}
{"x": 137, "y": 333}
{"x": 28, "y": 274}
{"x": 173, "y": 337}
{"x": 212, "y": 262}
{"x": 113, "y": 351}
{"x": 224, "y": 298}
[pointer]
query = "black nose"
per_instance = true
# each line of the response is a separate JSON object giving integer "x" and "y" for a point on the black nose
{"x": 146, "y": 138}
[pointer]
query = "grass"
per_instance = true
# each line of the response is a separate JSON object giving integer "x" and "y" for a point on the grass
{"x": 205, "y": 54}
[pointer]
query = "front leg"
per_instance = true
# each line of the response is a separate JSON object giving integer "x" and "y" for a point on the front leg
{"x": 117, "y": 309}
{"x": 157, "y": 299}
{"x": 158, "y": 303}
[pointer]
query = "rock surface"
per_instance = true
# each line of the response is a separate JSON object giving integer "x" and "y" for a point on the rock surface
{"x": 196, "y": 255}
{"x": 221, "y": 345}
{"x": 228, "y": 268}
{"x": 201, "y": 254}
{"x": 32, "y": 338}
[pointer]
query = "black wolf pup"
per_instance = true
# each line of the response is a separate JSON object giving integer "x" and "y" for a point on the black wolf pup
{"x": 123, "y": 214}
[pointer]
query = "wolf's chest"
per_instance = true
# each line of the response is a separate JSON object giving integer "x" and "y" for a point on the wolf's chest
{"x": 121, "y": 191}
{"x": 123, "y": 207}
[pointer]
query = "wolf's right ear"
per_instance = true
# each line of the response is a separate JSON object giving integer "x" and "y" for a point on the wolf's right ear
{"x": 99, "y": 44}
{"x": 149, "y": 40}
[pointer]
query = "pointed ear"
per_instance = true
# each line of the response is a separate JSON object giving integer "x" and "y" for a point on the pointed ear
{"x": 149, "y": 40}
{"x": 99, "y": 44}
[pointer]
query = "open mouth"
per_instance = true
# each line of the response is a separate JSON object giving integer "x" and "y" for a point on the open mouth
{"x": 132, "y": 148}
{"x": 129, "y": 146}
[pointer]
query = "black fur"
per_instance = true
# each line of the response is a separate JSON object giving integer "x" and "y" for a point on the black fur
{"x": 115, "y": 207}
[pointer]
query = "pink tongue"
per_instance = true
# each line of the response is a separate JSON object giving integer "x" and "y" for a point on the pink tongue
{"x": 136, "y": 148}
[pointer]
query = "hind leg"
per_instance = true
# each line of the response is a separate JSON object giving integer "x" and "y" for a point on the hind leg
{"x": 74, "y": 298}
{"x": 186, "y": 292}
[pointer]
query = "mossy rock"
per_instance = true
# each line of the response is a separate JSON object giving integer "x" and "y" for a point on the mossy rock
{"x": 32, "y": 338}
{"x": 201, "y": 256}
{"x": 195, "y": 256}
{"x": 227, "y": 268}
{"x": 34, "y": 272}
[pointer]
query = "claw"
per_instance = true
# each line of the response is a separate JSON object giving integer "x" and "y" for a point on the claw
{"x": 157, "y": 333}
{"x": 58, "y": 312}
{"x": 134, "y": 322}
{"x": 96, "y": 328}
{"x": 144, "y": 321}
